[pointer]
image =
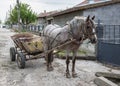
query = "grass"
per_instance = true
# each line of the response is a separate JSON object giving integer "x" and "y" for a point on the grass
{"x": 15, "y": 30}
{"x": 62, "y": 53}
{"x": 82, "y": 52}
{"x": 19, "y": 30}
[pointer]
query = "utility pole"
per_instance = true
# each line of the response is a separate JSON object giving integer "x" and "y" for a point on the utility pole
{"x": 10, "y": 13}
{"x": 18, "y": 10}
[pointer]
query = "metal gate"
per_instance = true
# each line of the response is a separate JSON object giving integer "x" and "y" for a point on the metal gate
{"x": 108, "y": 46}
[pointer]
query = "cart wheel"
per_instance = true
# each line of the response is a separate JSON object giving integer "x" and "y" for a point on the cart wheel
{"x": 12, "y": 54}
{"x": 20, "y": 60}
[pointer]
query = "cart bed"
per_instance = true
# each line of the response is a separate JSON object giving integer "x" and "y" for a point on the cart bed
{"x": 28, "y": 42}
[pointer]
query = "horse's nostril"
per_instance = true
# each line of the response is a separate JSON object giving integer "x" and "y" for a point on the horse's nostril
{"x": 93, "y": 41}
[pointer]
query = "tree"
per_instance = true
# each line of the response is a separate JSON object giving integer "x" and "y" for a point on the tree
{"x": 27, "y": 16}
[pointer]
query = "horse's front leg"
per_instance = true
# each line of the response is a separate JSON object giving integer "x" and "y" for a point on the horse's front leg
{"x": 74, "y": 74}
{"x": 67, "y": 65}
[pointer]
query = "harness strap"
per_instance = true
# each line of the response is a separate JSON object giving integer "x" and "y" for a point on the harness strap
{"x": 69, "y": 31}
{"x": 55, "y": 38}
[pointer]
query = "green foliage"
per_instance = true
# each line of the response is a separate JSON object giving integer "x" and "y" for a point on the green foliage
{"x": 19, "y": 31}
{"x": 23, "y": 30}
{"x": 16, "y": 30}
{"x": 27, "y": 16}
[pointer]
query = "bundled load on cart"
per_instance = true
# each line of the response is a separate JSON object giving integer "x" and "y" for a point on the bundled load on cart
{"x": 26, "y": 44}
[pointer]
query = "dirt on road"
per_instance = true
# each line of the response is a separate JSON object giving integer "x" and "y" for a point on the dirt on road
{"x": 35, "y": 73}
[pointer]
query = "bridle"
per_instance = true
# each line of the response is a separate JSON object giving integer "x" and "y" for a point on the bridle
{"x": 86, "y": 33}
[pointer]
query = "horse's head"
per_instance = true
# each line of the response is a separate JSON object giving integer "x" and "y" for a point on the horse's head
{"x": 81, "y": 27}
{"x": 90, "y": 29}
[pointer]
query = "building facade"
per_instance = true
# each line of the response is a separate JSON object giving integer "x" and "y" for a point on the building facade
{"x": 109, "y": 14}
{"x": 107, "y": 11}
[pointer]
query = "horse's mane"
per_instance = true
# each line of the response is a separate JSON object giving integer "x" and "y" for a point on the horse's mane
{"x": 79, "y": 17}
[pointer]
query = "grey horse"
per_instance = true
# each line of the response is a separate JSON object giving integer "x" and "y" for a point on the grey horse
{"x": 79, "y": 28}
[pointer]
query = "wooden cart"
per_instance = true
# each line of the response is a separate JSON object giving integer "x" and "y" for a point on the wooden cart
{"x": 28, "y": 47}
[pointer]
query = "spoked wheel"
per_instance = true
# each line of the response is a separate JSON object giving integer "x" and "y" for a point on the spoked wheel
{"x": 12, "y": 54}
{"x": 20, "y": 60}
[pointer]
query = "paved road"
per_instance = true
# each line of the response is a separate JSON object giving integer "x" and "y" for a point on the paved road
{"x": 35, "y": 73}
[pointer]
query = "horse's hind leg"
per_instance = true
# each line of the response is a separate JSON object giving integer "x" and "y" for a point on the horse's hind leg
{"x": 50, "y": 60}
{"x": 67, "y": 65}
{"x": 50, "y": 57}
{"x": 73, "y": 64}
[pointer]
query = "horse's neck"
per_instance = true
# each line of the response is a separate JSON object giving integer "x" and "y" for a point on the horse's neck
{"x": 77, "y": 31}
{"x": 67, "y": 29}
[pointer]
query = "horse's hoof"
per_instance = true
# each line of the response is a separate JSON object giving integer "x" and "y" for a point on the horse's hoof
{"x": 68, "y": 75}
{"x": 49, "y": 68}
{"x": 74, "y": 75}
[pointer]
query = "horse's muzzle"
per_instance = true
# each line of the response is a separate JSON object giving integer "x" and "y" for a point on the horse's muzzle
{"x": 93, "y": 41}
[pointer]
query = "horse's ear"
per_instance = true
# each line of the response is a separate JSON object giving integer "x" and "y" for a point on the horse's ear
{"x": 88, "y": 18}
{"x": 93, "y": 17}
